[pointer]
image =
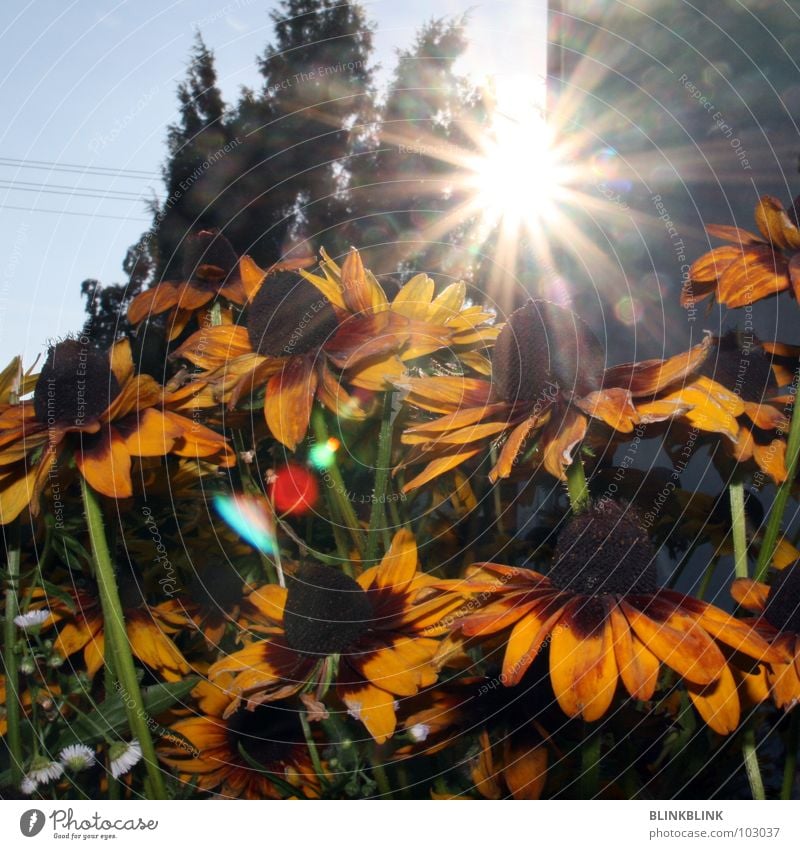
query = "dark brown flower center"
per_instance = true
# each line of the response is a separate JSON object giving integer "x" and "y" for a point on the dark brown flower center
{"x": 783, "y": 601}
{"x": 741, "y": 366}
{"x": 603, "y": 550}
{"x": 208, "y": 257}
{"x": 75, "y": 386}
{"x": 326, "y": 611}
{"x": 543, "y": 351}
{"x": 289, "y": 316}
{"x": 267, "y": 734}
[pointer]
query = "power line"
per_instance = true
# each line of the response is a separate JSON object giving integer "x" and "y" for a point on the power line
{"x": 66, "y": 212}
{"x": 99, "y": 170}
{"x": 43, "y": 186}
{"x": 74, "y": 194}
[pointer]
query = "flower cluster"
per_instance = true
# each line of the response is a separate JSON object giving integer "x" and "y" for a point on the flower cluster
{"x": 302, "y": 558}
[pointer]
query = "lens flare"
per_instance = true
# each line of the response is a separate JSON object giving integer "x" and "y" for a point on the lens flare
{"x": 250, "y": 517}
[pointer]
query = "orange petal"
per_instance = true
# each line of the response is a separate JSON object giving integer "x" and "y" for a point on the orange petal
{"x": 251, "y": 276}
{"x": 718, "y": 702}
{"x": 758, "y": 273}
{"x": 638, "y": 666}
{"x": 377, "y": 375}
{"x": 613, "y": 406}
{"x": 152, "y": 302}
{"x": 583, "y": 669}
{"x": 439, "y": 467}
{"x": 559, "y": 448}
{"x": 709, "y": 267}
{"x": 289, "y": 398}
{"x": 106, "y": 464}
{"x": 399, "y": 565}
{"x": 771, "y": 459}
{"x": 775, "y": 224}
{"x": 152, "y": 435}
{"x": 446, "y": 394}
{"x": 652, "y": 376}
{"x": 677, "y": 641}
{"x": 462, "y": 436}
{"x": 17, "y": 490}
{"x": 212, "y": 347}
{"x": 372, "y": 706}
{"x": 362, "y": 293}
{"x": 525, "y": 771}
{"x": 122, "y": 361}
{"x": 766, "y": 416}
{"x": 526, "y": 641}
{"x": 335, "y": 397}
{"x": 512, "y": 447}
{"x": 750, "y": 594}
{"x": 733, "y": 234}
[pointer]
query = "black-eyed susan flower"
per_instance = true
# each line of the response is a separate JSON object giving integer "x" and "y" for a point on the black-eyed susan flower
{"x": 211, "y": 272}
{"x": 548, "y": 379}
{"x": 81, "y": 629}
{"x": 602, "y": 617}
{"x": 777, "y": 610}
{"x": 752, "y": 266}
{"x": 313, "y": 336}
{"x": 247, "y": 754}
{"x": 735, "y": 392}
{"x": 381, "y": 626}
{"x": 89, "y": 404}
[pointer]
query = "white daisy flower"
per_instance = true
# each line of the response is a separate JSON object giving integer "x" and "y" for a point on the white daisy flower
{"x": 77, "y": 757}
{"x": 31, "y": 619}
{"x": 124, "y": 756}
{"x": 28, "y": 786}
{"x": 43, "y": 770}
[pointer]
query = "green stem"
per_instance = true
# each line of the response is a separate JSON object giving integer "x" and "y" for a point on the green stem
{"x": 377, "y": 518}
{"x": 590, "y": 766}
{"x": 577, "y": 487}
{"x": 792, "y": 745}
{"x": 381, "y": 779}
{"x": 312, "y": 748}
{"x": 117, "y": 640}
{"x": 338, "y": 492}
{"x": 13, "y": 712}
{"x": 782, "y": 497}
{"x": 750, "y": 756}
{"x": 738, "y": 528}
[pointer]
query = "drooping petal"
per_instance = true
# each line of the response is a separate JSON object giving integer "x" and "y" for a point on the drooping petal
{"x": 677, "y": 641}
{"x": 511, "y": 448}
{"x": 106, "y": 464}
{"x": 718, "y": 702}
{"x": 152, "y": 302}
{"x": 289, "y": 399}
{"x": 122, "y": 361}
{"x": 613, "y": 406}
{"x": 150, "y": 434}
{"x": 559, "y": 448}
{"x": 758, "y": 273}
{"x": 527, "y": 638}
{"x": 438, "y": 467}
{"x": 583, "y": 670}
{"x": 775, "y": 224}
{"x": 649, "y": 377}
{"x": 372, "y": 706}
{"x": 638, "y": 666}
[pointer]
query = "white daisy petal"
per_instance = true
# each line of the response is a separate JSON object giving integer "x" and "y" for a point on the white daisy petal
{"x": 124, "y": 756}
{"x": 77, "y": 757}
{"x": 31, "y": 619}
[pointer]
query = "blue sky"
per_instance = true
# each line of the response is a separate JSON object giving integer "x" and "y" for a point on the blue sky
{"x": 93, "y": 84}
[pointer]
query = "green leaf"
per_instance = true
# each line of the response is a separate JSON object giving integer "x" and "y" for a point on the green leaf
{"x": 111, "y": 716}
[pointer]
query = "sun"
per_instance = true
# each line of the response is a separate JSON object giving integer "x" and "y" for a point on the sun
{"x": 516, "y": 174}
